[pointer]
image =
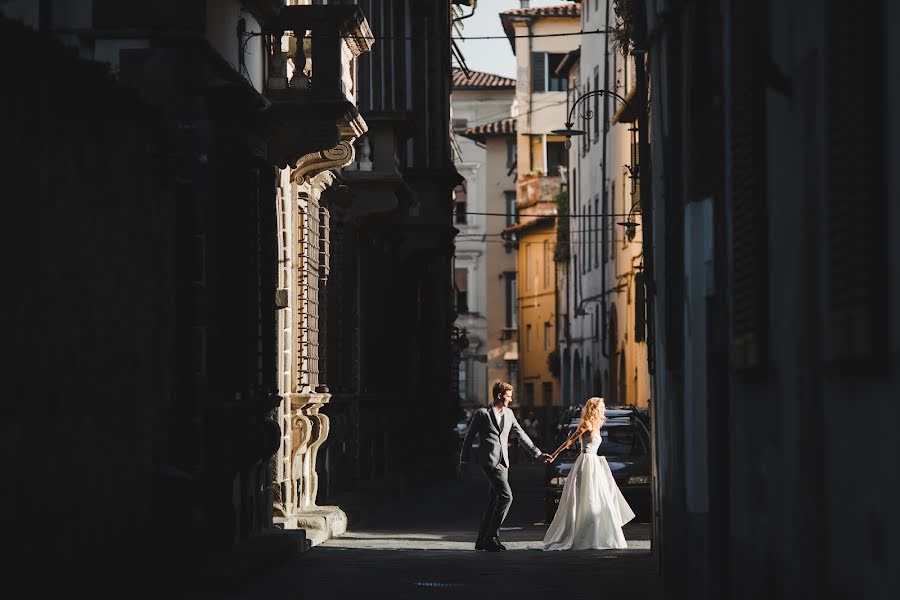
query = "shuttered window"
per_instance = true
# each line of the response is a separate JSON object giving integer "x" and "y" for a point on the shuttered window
{"x": 747, "y": 187}
{"x": 856, "y": 282}
{"x": 538, "y": 71}
{"x": 640, "y": 307}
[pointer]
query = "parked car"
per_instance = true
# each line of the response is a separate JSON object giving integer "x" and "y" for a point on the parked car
{"x": 626, "y": 446}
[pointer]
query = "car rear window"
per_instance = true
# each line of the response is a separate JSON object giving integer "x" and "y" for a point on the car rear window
{"x": 621, "y": 440}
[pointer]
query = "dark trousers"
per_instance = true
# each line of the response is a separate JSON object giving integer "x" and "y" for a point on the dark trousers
{"x": 499, "y": 500}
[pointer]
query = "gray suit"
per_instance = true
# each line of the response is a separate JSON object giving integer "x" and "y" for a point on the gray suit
{"x": 493, "y": 456}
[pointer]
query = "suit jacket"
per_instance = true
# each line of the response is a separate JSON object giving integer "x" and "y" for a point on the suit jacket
{"x": 493, "y": 443}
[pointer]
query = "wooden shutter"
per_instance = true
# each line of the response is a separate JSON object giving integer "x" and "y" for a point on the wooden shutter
{"x": 538, "y": 71}
{"x": 635, "y": 176}
{"x": 747, "y": 142}
{"x": 640, "y": 308}
{"x": 856, "y": 281}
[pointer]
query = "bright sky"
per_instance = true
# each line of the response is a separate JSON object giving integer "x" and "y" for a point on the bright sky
{"x": 492, "y": 56}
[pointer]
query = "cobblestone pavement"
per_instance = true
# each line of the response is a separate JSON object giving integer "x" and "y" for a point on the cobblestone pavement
{"x": 421, "y": 545}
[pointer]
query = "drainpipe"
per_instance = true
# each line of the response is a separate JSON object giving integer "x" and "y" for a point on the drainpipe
{"x": 605, "y": 252}
{"x": 530, "y": 96}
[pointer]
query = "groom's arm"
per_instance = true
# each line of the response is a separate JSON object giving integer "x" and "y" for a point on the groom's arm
{"x": 474, "y": 424}
{"x": 523, "y": 437}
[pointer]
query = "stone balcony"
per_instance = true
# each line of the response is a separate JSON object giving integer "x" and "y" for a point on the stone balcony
{"x": 532, "y": 189}
{"x": 536, "y": 197}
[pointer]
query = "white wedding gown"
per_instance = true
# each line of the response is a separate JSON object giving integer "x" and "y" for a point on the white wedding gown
{"x": 592, "y": 509}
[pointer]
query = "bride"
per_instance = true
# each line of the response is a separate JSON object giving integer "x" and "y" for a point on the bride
{"x": 592, "y": 509}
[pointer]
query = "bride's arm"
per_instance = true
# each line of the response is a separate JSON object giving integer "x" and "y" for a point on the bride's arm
{"x": 572, "y": 439}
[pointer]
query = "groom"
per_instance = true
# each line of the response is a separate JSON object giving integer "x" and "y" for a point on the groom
{"x": 492, "y": 425}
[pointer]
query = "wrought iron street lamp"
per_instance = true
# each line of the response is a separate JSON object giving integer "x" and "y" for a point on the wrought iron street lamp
{"x": 586, "y": 113}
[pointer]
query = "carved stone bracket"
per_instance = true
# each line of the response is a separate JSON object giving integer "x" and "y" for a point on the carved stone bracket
{"x": 312, "y": 164}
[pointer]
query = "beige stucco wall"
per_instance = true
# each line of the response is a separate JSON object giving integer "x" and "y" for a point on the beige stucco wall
{"x": 499, "y": 258}
{"x": 541, "y": 112}
{"x": 537, "y": 306}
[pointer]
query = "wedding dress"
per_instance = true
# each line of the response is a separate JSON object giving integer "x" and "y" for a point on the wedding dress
{"x": 592, "y": 509}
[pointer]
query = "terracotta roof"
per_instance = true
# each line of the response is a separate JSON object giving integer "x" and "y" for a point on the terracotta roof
{"x": 569, "y": 10}
{"x": 478, "y": 80}
{"x": 501, "y": 127}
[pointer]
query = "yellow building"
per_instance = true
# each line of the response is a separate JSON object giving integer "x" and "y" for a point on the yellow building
{"x": 541, "y": 171}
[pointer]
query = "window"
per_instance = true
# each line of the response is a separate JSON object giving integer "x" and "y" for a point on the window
{"x": 547, "y": 393}
{"x": 591, "y": 235}
{"x": 640, "y": 308}
{"x": 528, "y": 338}
{"x": 576, "y": 279}
{"x": 511, "y": 301}
{"x": 612, "y": 220}
{"x": 557, "y": 156}
{"x": 585, "y": 139}
{"x": 459, "y": 203}
{"x": 529, "y": 394}
{"x": 529, "y": 257}
{"x": 588, "y": 236}
{"x": 512, "y": 214}
{"x": 510, "y": 152}
{"x": 461, "y": 283}
{"x": 596, "y": 228}
{"x": 543, "y": 73}
{"x": 556, "y": 83}
{"x": 604, "y": 230}
{"x": 547, "y": 336}
{"x": 548, "y": 260}
{"x": 596, "y": 118}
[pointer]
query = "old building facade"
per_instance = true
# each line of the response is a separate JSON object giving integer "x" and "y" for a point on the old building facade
{"x": 199, "y": 149}
{"x": 540, "y": 42}
{"x": 773, "y": 219}
{"x": 389, "y": 292}
{"x": 484, "y": 264}
{"x": 603, "y": 348}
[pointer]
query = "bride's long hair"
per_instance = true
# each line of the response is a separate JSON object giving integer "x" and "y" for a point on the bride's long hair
{"x": 593, "y": 415}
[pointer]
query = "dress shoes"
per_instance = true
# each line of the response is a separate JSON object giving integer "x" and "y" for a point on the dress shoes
{"x": 491, "y": 545}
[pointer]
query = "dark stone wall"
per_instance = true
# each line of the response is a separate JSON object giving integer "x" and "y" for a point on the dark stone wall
{"x": 88, "y": 324}
{"x": 138, "y": 261}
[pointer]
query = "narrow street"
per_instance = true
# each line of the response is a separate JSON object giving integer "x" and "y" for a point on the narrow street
{"x": 420, "y": 545}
